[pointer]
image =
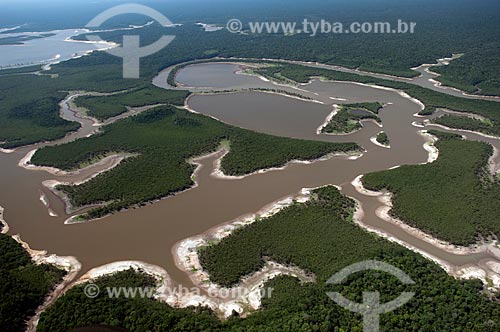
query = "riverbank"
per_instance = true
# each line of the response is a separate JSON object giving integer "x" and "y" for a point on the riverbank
{"x": 431, "y": 124}
{"x": 429, "y": 146}
{"x": 219, "y": 173}
{"x": 470, "y": 271}
{"x": 5, "y": 226}
{"x": 67, "y": 263}
{"x": 247, "y": 294}
{"x": 440, "y": 88}
{"x": 374, "y": 140}
{"x": 243, "y": 298}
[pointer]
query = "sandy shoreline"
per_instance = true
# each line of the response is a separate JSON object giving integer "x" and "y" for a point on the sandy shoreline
{"x": 469, "y": 271}
{"x": 69, "y": 264}
{"x": 373, "y": 74}
{"x": 247, "y": 292}
{"x": 242, "y": 298}
{"x": 429, "y": 123}
{"x": 336, "y": 110}
{"x": 114, "y": 159}
{"x": 429, "y": 146}
{"x": 445, "y": 62}
{"x": 218, "y": 173}
{"x": 374, "y": 141}
{"x": 5, "y": 226}
{"x": 8, "y": 151}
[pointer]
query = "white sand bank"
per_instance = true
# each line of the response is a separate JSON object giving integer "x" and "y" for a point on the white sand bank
{"x": 478, "y": 271}
{"x": 247, "y": 294}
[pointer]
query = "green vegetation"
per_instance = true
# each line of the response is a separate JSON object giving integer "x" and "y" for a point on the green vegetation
{"x": 431, "y": 99}
{"x": 317, "y": 236}
{"x": 29, "y": 110}
{"x": 24, "y": 284}
{"x": 75, "y": 309}
{"x": 105, "y": 107}
{"x": 349, "y": 116}
{"x": 383, "y": 139}
{"x": 103, "y": 73}
{"x": 465, "y": 73}
{"x": 469, "y": 27}
{"x": 454, "y": 198}
{"x": 164, "y": 138}
{"x": 471, "y": 30}
{"x": 40, "y": 116}
{"x": 323, "y": 220}
{"x": 467, "y": 123}
{"x": 372, "y": 107}
{"x": 282, "y": 92}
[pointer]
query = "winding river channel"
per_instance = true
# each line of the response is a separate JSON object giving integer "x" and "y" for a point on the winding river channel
{"x": 150, "y": 233}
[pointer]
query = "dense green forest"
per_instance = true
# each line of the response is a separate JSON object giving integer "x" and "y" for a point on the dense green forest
{"x": 477, "y": 72}
{"x": 443, "y": 28}
{"x": 314, "y": 230}
{"x": 29, "y": 110}
{"x": 431, "y": 99}
{"x": 468, "y": 123}
{"x": 455, "y": 198}
{"x": 349, "y": 116}
{"x": 164, "y": 138}
{"x": 104, "y": 107}
{"x": 317, "y": 236}
{"x": 372, "y": 107}
{"x": 383, "y": 139}
{"x": 23, "y": 284}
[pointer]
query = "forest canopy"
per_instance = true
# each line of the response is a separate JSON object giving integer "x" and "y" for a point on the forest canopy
{"x": 455, "y": 198}
{"x": 163, "y": 140}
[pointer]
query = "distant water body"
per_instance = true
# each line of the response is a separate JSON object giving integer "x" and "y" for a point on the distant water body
{"x": 45, "y": 47}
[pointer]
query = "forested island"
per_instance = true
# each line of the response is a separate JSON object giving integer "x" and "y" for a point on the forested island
{"x": 383, "y": 139}
{"x": 349, "y": 116}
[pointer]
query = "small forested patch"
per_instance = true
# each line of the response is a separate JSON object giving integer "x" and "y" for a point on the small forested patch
{"x": 383, "y": 139}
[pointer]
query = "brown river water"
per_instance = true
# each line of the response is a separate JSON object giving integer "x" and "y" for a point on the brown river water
{"x": 149, "y": 233}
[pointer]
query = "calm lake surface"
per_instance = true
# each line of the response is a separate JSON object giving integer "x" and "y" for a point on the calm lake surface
{"x": 45, "y": 50}
{"x": 148, "y": 234}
